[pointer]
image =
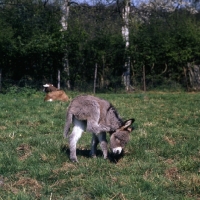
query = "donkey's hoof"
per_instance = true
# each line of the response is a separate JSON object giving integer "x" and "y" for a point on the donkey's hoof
{"x": 74, "y": 160}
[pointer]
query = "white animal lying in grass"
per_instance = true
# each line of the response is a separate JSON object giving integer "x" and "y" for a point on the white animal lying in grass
{"x": 97, "y": 116}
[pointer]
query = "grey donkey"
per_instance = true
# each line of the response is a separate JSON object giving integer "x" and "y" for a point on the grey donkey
{"x": 98, "y": 116}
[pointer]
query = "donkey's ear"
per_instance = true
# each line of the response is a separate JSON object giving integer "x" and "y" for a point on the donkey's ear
{"x": 129, "y": 129}
{"x": 128, "y": 123}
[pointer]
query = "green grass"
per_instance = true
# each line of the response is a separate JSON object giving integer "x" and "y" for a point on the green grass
{"x": 162, "y": 160}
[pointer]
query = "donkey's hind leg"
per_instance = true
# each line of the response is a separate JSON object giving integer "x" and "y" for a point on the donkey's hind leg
{"x": 103, "y": 143}
{"x": 79, "y": 127}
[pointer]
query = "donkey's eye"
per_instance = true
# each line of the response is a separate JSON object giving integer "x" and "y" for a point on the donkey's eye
{"x": 123, "y": 143}
{"x": 117, "y": 140}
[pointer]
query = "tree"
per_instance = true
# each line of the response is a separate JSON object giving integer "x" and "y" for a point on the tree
{"x": 95, "y": 37}
{"x": 35, "y": 44}
{"x": 64, "y": 21}
{"x": 164, "y": 43}
{"x": 125, "y": 34}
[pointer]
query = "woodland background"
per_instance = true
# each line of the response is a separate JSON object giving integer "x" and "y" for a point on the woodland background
{"x": 164, "y": 48}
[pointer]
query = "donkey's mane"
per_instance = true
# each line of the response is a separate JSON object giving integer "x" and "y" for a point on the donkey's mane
{"x": 116, "y": 114}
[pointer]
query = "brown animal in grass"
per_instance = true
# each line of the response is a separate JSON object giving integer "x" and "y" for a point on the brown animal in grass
{"x": 54, "y": 93}
{"x": 49, "y": 88}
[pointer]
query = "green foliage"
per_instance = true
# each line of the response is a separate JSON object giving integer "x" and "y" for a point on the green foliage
{"x": 168, "y": 39}
{"x": 161, "y": 160}
{"x": 92, "y": 38}
{"x": 33, "y": 41}
{"x": 24, "y": 91}
{"x": 32, "y": 45}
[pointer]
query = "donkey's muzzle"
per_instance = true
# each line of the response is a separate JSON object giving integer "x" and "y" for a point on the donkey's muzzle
{"x": 117, "y": 150}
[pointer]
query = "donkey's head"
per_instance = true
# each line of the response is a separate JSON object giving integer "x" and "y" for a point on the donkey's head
{"x": 120, "y": 137}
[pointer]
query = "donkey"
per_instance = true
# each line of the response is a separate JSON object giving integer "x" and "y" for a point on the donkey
{"x": 97, "y": 116}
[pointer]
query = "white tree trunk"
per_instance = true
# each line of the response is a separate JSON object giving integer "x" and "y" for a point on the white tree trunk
{"x": 125, "y": 27}
{"x": 65, "y": 15}
{"x": 125, "y": 34}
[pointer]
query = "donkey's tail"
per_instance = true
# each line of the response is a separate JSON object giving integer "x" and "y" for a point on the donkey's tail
{"x": 67, "y": 124}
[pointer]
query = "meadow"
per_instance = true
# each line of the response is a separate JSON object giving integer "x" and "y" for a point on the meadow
{"x": 161, "y": 161}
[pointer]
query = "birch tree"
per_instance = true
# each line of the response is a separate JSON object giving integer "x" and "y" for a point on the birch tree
{"x": 65, "y": 14}
{"x": 125, "y": 11}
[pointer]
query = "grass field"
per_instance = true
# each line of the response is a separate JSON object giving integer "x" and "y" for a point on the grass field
{"x": 162, "y": 160}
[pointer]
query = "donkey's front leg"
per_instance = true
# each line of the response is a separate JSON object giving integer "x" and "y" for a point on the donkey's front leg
{"x": 103, "y": 143}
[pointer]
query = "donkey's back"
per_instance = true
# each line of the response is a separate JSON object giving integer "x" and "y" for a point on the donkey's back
{"x": 99, "y": 114}
{"x": 86, "y": 107}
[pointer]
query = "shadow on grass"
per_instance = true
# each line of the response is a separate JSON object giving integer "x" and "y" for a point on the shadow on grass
{"x": 115, "y": 158}
{"x": 86, "y": 153}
